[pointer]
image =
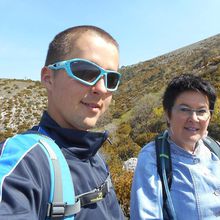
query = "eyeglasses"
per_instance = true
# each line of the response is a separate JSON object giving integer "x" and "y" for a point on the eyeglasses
{"x": 88, "y": 72}
{"x": 202, "y": 114}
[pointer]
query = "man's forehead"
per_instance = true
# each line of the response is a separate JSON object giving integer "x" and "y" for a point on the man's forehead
{"x": 87, "y": 42}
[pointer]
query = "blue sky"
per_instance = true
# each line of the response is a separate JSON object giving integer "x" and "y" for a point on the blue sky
{"x": 144, "y": 28}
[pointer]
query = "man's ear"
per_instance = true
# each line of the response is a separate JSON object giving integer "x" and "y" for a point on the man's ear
{"x": 46, "y": 77}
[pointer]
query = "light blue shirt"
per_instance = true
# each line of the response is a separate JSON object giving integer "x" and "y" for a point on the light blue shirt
{"x": 195, "y": 189}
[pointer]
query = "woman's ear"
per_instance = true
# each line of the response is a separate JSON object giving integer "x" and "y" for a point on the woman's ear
{"x": 167, "y": 119}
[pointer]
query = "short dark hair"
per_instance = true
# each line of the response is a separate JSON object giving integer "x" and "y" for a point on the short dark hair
{"x": 63, "y": 42}
{"x": 187, "y": 82}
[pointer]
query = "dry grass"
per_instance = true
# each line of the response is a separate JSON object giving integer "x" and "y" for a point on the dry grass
{"x": 22, "y": 103}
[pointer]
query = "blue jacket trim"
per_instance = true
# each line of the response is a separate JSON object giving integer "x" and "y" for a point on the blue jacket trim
{"x": 12, "y": 154}
{"x": 15, "y": 149}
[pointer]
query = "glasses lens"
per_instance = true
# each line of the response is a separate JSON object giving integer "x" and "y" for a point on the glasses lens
{"x": 112, "y": 80}
{"x": 203, "y": 114}
{"x": 84, "y": 71}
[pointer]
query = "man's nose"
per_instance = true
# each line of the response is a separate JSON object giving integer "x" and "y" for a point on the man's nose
{"x": 100, "y": 87}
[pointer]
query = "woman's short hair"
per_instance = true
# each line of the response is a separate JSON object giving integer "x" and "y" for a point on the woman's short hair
{"x": 187, "y": 82}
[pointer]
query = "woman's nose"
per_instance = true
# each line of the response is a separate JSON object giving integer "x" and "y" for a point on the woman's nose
{"x": 193, "y": 115}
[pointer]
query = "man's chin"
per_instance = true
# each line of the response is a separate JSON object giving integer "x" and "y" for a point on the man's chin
{"x": 89, "y": 125}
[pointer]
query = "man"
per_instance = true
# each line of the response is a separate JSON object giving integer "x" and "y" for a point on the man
{"x": 79, "y": 76}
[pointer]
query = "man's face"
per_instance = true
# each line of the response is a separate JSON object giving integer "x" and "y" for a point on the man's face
{"x": 72, "y": 104}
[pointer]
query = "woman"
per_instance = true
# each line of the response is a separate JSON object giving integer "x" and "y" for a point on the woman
{"x": 188, "y": 104}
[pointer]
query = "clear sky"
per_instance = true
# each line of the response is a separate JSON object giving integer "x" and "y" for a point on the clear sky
{"x": 144, "y": 28}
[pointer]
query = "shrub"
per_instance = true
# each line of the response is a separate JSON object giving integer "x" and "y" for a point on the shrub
{"x": 144, "y": 138}
{"x": 122, "y": 184}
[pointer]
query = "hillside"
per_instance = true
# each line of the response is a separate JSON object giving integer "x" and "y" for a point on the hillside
{"x": 137, "y": 102}
{"x": 201, "y": 58}
{"x": 135, "y": 115}
{"x": 21, "y": 104}
{"x": 22, "y": 101}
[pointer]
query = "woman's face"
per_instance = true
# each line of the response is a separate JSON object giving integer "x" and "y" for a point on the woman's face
{"x": 188, "y": 126}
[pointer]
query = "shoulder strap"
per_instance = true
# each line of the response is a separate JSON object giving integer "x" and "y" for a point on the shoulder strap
{"x": 213, "y": 145}
{"x": 163, "y": 156}
{"x": 62, "y": 199}
{"x": 164, "y": 168}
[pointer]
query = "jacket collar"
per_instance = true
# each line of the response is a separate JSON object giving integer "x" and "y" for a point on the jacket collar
{"x": 83, "y": 144}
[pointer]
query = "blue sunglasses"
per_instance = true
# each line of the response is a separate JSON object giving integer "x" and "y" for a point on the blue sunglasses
{"x": 88, "y": 72}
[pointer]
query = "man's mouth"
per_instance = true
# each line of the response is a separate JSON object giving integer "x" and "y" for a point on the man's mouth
{"x": 91, "y": 105}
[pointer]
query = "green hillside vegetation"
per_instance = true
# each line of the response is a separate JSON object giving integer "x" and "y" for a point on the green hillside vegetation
{"x": 136, "y": 114}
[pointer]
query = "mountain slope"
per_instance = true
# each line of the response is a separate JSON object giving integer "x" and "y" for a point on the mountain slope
{"x": 22, "y": 101}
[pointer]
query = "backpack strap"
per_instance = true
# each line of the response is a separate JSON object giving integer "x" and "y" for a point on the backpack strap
{"x": 96, "y": 194}
{"x": 63, "y": 202}
{"x": 62, "y": 199}
{"x": 163, "y": 157}
{"x": 164, "y": 169}
{"x": 213, "y": 145}
{"x": 60, "y": 209}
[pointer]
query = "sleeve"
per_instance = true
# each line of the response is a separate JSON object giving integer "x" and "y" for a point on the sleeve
{"x": 146, "y": 194}
{"x": 25, "y": 190}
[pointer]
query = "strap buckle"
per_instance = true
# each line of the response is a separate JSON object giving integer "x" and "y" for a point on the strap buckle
{"x": 56, "y": 210}
{"x": 96, "y": 194}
